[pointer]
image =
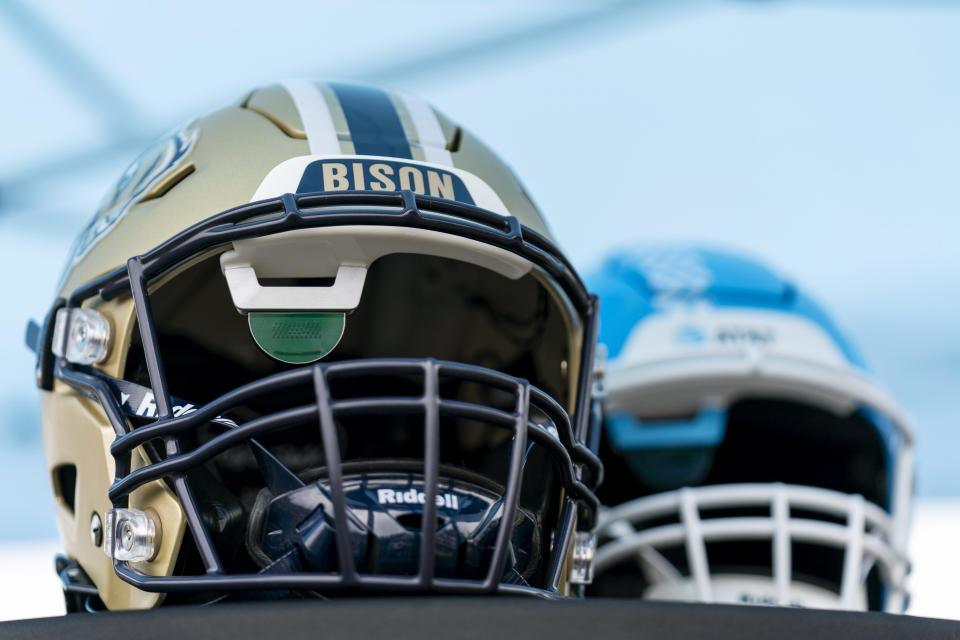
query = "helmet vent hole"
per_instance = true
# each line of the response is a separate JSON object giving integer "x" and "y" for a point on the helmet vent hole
{"x": 414, "y": 521}
{"x": 65, "y": 484}
{"x": 164, "y": 185}
{"x": 454, "y": 145}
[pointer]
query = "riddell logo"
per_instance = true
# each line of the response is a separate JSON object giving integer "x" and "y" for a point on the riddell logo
{"x": 412, "y": 496}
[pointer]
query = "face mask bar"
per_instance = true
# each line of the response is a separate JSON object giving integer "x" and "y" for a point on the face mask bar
{"x": 430, "y": 404}
{"x": 580, "y": 469}
{"x": 865, "y": 538}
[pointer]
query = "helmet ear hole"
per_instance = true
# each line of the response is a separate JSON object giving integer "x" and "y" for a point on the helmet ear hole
{"x": 65, "y": 484}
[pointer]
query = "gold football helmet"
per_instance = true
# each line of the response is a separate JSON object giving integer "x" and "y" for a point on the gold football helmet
{"x": 318, "y": 342}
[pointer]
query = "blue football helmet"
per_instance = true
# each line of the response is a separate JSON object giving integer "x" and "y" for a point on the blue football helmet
{"x": 752, "y": 456}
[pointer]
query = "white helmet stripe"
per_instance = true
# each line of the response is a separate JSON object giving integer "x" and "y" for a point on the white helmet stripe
{"x": 315, "y": 115}
{"x": 428, "y": 131}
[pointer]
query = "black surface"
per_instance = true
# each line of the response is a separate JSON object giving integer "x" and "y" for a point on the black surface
{"x": 478, "y": 618}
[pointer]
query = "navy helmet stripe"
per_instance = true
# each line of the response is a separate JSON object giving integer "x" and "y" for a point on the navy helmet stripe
{"x": 375, "y": 127}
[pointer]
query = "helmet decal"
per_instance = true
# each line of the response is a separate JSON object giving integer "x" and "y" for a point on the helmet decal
{"x": 331, "y": 174}
{"x": 675, "y": 273}
{"x": 365, "y": 174}
{"x": 135, "y": 185}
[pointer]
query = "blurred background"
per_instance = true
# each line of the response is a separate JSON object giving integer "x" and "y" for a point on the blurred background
{"x": 820, "y": 136}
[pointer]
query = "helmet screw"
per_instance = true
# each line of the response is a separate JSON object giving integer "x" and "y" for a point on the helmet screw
{"x": 127, "y": 536}
{"x": 96, "y": 530}
{"x": 81, "y": 336}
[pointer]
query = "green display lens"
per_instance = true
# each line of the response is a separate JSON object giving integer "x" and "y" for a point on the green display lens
{"x": 296, "y": 338}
